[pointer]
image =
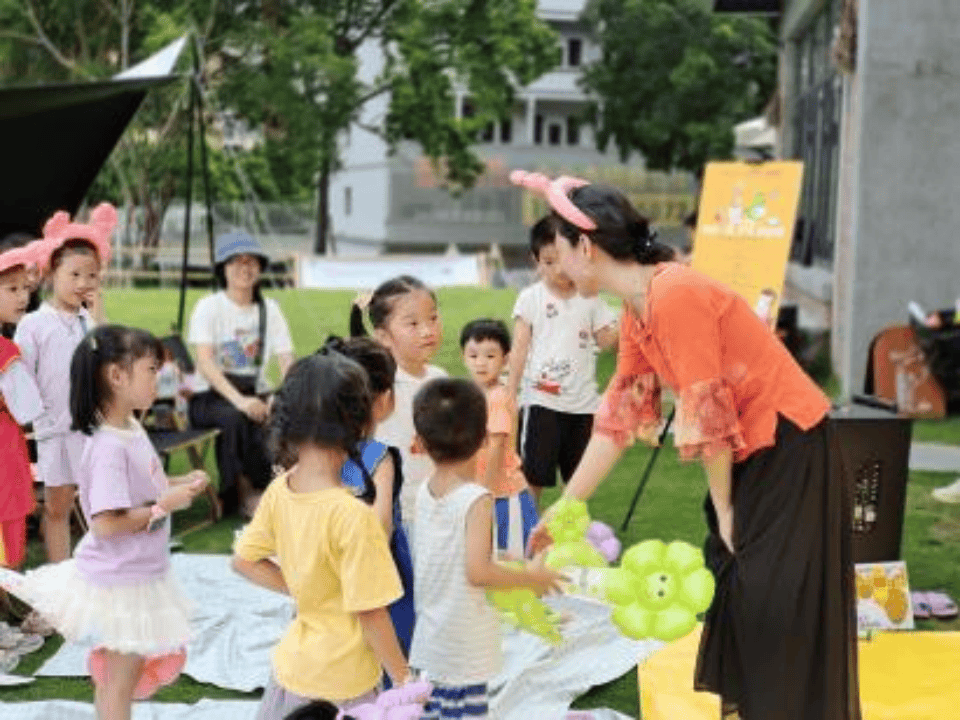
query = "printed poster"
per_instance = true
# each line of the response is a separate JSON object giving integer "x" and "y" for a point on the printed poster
{"x": 745, "y": 228}
{"x": 883, "y": 597}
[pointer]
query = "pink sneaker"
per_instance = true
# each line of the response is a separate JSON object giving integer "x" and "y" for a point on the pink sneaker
{"x": 158, "y": 671}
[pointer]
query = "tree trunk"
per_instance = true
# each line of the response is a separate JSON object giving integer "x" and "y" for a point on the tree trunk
{"x": 324, "y": 239}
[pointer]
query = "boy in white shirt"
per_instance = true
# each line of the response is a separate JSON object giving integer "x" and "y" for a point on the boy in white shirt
{"x": 556, "y": 334}
{"x": 457, "y": 640}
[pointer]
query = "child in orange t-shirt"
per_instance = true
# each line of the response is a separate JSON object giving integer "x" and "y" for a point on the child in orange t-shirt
{"x": 486, "y": 345}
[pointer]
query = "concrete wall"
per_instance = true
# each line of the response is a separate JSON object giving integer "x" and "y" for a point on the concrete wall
{"x": 902, "y": 177}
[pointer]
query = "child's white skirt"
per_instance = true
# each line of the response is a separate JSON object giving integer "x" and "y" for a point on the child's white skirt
{"x": 146, "y": 617}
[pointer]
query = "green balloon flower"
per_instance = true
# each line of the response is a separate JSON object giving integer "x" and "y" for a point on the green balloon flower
{"x": 658, "y": 590}
{"x": 568, "y": 524}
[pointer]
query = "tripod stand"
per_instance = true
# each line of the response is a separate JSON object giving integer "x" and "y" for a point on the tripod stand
{"x": 646, "y": 473}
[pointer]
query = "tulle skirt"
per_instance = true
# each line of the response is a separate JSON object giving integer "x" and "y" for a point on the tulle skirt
{"x": 145, "y": 617}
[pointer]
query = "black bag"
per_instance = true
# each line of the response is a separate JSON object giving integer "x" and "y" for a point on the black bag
{"x": 941, "y": 348}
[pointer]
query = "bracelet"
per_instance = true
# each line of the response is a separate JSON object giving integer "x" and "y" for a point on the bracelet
{"x": 157, "y": 513}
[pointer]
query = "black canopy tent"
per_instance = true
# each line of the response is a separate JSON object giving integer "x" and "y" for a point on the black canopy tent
{"x": 55, "y": 138}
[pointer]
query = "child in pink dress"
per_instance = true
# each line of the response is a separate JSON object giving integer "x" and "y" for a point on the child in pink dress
{"x": 118, "y": 591}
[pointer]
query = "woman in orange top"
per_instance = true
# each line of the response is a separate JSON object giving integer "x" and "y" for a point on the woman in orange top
{"x": 780, "y": 638}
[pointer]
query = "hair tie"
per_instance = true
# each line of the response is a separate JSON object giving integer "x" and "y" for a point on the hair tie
{"x": 643, "y": 245}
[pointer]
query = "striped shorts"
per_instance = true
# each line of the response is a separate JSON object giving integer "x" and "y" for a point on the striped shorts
{"x": 450, "y": 702}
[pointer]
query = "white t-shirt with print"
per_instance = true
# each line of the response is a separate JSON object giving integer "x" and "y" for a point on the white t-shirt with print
{"x": 561, "y": 369}
{"x": 398, "y": 430}
{"x": 234, "y": 332}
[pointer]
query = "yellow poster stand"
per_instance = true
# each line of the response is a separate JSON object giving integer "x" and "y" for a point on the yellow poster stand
{"x": 745, "y": 226}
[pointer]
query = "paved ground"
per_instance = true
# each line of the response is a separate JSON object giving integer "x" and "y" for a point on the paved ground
{"x": 935, "y": 457}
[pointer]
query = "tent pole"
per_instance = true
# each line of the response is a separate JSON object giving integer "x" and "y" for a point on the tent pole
{"x": 189, "y": 201}
{"x": 204, "y": 158}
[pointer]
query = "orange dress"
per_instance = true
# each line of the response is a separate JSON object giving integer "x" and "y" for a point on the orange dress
{"x": 730, "y": 374}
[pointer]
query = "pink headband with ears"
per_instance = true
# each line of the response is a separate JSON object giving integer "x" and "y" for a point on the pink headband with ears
{"x": 58, "y": 229}
{"x": 556, "y": 193}
{"x": 30, "y": 254}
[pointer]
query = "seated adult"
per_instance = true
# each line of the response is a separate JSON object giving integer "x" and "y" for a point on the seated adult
{"x": 234, "y": 333}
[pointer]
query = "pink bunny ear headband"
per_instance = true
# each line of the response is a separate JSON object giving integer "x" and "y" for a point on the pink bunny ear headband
{"x": 556, "y": 193}
{"x": 30, "y": 254}
{"x": 58, "y": 230}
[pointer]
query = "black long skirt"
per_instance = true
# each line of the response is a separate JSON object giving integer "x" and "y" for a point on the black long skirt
{"x": 780, "y": 640}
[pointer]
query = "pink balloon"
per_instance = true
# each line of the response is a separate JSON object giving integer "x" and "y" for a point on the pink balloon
{"x": 610, "y": 549}
{"x": 598, "y": 532}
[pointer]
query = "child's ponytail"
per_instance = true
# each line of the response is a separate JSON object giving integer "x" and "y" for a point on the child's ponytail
{"x": 357, "y": 328}
{"x": 84, "y": 382}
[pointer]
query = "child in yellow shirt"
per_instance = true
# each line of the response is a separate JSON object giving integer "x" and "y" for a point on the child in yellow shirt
{"x": 331, "y": 551}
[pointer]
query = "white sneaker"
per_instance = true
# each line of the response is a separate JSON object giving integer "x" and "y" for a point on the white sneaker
{"x": 948, "y": 493}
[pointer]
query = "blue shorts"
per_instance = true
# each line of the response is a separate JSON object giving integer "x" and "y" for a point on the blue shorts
{"x": 456, "y": 701}
{"x": 528, "y": 519}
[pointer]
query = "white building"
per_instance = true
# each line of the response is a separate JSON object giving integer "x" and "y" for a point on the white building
{"x": 378, "y": 200}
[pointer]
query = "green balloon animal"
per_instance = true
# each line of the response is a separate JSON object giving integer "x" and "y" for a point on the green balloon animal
{"x": 657, "y": 592}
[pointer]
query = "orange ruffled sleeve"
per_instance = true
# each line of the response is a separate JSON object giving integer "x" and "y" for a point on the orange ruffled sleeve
{"x": 688, "y": 331}
{"x": 630, "y": 408}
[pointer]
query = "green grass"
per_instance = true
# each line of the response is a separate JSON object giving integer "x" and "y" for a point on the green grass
{"x": 671, "y": 507}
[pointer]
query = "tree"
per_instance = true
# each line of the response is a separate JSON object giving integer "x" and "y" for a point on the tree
{"x": 675, "y": 78}
{"x": 294, "y": 67}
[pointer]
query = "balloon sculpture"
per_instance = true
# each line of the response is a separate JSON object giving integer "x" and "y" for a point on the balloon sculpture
{"x": 659, "y": 589}
{"x": 403, "y": 703}
{"x": 568, "y": 525}
{"x": 522, "y": 608}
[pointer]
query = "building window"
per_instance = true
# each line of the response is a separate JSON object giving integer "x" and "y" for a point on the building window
{"x": 506, "y": 130}
{"x": 815, "y": 117}
{"x": 573, "y": 130}
{"x": 574, "y": 49}
{"x": 488, "y": 132}
{"x": 554, "y": 134}
{"x": 538, "y": 130}
{"x": 347, "y": 200}
{"x": 467, "y": 109}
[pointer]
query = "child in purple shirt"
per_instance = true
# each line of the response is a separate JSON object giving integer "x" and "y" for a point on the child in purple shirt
{"x": 118, "y": 591}
{"x": 73, "y": 254}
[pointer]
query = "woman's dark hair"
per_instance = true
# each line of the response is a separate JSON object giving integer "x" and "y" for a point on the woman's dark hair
{"x": 102, "y": 346}
{"x": 220, "y": 274}
{"x": 382, "y": 302}
{"x": 450, "y": 416}
{"x": 317, "y": 710}
{"x": 80, "y": 246}
{"x": 325, "y": 400}
{"x": 622, "y": 232}
{"x": 543, "y": 233}
{"x": 486, "y": 329}
{"x": 371, "y": 356}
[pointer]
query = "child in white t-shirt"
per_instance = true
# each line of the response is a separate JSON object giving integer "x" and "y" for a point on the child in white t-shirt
{"x": 405, "y": 319}
{"x": 555, "y": 339}
{"x": 457, "y": 640}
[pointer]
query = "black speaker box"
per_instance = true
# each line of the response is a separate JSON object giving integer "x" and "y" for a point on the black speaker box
{"x": 871, "y": 451}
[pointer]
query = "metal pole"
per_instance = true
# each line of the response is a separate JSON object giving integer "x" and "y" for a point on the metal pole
{"x": 646, "y": 473}
{"x": 204, "y": 161}
{"x": 186, "y": 221}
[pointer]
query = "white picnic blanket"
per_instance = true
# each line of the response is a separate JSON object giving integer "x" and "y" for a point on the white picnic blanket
{"x": 238, "y": 623}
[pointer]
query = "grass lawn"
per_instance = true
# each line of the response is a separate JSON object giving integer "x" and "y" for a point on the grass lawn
{"x": 671, "y": 507}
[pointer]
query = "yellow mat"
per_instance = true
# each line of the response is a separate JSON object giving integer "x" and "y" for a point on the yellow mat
{"x": 903, "y": 676}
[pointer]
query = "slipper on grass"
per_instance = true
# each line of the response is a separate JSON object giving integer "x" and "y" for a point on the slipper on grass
{"x": 941, "y": 605}
{"x": 921, "y": 608}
